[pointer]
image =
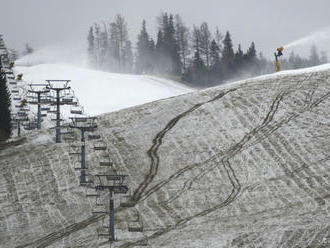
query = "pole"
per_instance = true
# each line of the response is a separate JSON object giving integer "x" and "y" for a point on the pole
{"x": 83, "y": 158}
{"x": 39, "y": 112}
{"x": 112, "y": 217}
{"x": 58, "y": 122}
{"x": 18, "y": 128}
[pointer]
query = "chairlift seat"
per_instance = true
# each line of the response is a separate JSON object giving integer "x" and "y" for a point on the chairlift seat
{"x": 77, "y": 112}
{"x": 94, "y": 136}
{"x": 128, "y": 204}
{"x": 135, "y": 229}
{"x": 106, "y": 163}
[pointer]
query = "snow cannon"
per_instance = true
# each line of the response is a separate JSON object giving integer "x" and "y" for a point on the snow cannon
{"x": 278, "y": 53}
{"x": 11, "y": 64}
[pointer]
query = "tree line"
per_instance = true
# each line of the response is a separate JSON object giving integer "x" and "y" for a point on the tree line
{"x": 197, "y": 55}
{"x": 5, "y": 103}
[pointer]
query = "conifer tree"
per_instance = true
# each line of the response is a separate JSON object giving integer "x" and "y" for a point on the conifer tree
{"x": 143, "y": 62}
{"x": 215, "y": 67}
{"x": 128, "y": 57}
{"x": 314, "y": 58}
{"x": 239, "y": 57}
{"x": 228, "y": 56}
{"x": 5, "y": 115}
{"x": 91, "y": 48}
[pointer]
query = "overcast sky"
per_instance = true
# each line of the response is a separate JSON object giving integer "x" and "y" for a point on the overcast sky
{"x": 267, "y": 22}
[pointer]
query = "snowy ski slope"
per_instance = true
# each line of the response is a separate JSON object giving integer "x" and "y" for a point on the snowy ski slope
{"x": 241, "y": 165}
{"x": 103, "y": 92}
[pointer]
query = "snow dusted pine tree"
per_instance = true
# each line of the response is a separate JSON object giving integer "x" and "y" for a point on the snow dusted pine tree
{"x": 91, "y": 48}
{"x": 143, "y": 63}
{"x": 5, "y": 119}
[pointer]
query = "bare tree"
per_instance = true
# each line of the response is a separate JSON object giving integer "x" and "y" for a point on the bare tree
{"x": 205, "y": 42}
{"x": 122, "y": 35}
{"x": 218, "y": 38}
{"x": 182, "y": 37}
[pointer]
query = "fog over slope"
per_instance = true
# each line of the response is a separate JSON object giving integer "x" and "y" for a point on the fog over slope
{"x": 241, "y": 165}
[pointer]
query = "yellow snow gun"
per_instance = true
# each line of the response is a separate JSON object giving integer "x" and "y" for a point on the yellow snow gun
{"x": 278, "y": 53}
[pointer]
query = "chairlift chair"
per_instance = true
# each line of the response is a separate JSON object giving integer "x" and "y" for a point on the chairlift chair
{"x": 76, "y": 110}
{"x": 100, "y": 146}
{"x": 94, "y": 136}
{"x": 136, "y": 225}
{"x": 67, "y": 100}
{"x": 126, "y": 201}
{"x": 45, "y": 108}
{"x": 106, "y": 161}
{"x": 74, "y": 150}
{"x": 17, "y": 98}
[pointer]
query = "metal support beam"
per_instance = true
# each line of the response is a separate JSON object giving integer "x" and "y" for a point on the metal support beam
{"x": 83, "y": 158}
{"x": 39, "y": 112}
{"x": 112, "y": 217}
{"x": 58, "y": 117}
{"x": 18, "y": 128}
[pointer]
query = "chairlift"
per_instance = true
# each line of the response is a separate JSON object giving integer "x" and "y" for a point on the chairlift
{"x": 14, "y": 91}
{"x": 94, "y": 136}
{"x": 106, "y": 163}
{"x": 67, "y": 100}
{"x": 76, "y": 110}
{"x": 52, "y": 111}
{"x": 17, "y": 98}
{"x": 126, "y": 201}
{"x": 43, "y": 115}
{"x": 21, "y": 113}
{"x": 68, "y": 138}
{"x": 74, "y": 150}
{"x": 136, "y": 225}
{"x": 80, "y": 119}
{"x": 45, "y": 108}
{"x": 24, "y": 109}
{"x": 100, "y": 146}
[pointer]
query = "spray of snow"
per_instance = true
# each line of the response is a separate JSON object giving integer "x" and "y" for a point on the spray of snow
{"x": 73, "y": 54}
{"x": 319, "y": 36}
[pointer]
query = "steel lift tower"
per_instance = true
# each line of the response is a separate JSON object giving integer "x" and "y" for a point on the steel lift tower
{"x": 84, "y": 124}
{"x": 58, "y": 86}
{"x": 38, "y": 99}
{"x": 115, "y": 184}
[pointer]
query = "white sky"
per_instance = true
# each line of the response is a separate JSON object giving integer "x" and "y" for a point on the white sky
{"x": 267, "y": 22}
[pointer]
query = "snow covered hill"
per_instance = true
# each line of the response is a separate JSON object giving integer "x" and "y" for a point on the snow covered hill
{"x": 103, "y": 92}
{"x": 237, "y": 166}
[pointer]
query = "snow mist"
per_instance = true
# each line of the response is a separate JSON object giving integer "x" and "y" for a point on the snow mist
{"x": 313, "y": 38}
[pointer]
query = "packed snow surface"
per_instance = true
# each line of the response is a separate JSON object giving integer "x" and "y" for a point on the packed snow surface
{"x": 243, "y": 165}
{"x": 102, "y": 92}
